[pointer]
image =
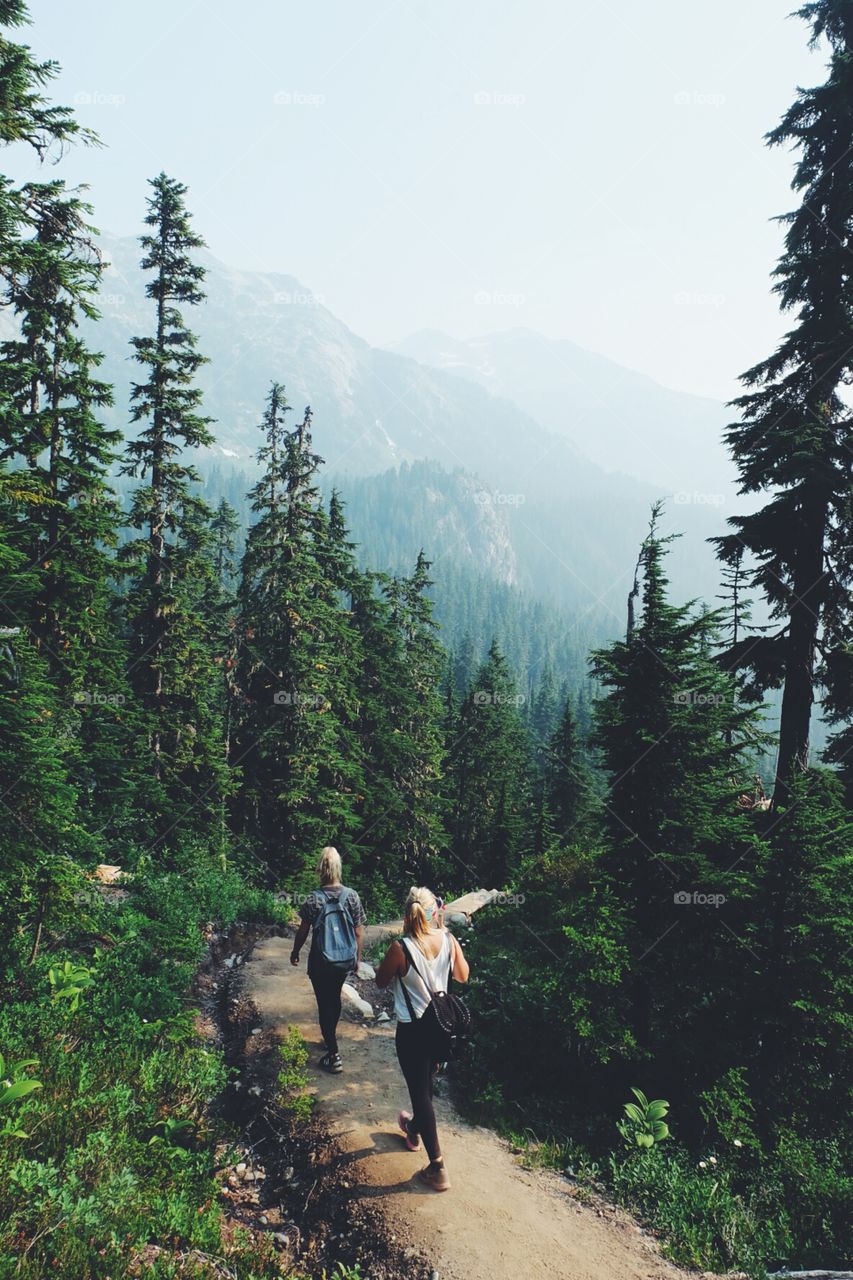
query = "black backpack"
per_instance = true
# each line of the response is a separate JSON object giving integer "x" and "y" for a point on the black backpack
{"x": 447, "y": 1019}
{"x": 333, "y": 943}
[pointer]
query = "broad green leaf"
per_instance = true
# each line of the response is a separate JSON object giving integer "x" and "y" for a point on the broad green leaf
{"x": 18, "y": 1090}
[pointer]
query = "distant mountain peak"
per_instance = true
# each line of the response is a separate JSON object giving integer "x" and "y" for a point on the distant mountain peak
{"x": 618, "y": 418}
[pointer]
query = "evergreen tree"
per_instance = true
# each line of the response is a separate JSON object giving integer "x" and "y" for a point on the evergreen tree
{"x": 423, "y": 658}
{"x": 544, "y": 708}
{"x": 583, "y": 714}
{"x": 224, "y": 526}
{"x": 51, "y": 395}
{"x": 169, "y": 672}
{"x": 294, "y": 739}
{"x": 736, "y": 608}
{"x": 568, "y": 793}
{"x": 57, "y": 514}
{"x": 463, "y": 664}
{"x": 43, "y": 840}
{"x": 673, "y": 740}
{"x": 25, "y": 114}
{"x": 489, "y": 774}
{"x": 197, "y": 779}
{"x": 400, "y": 723}
{"x": 794, "y": 438}
{"x": 802, "y": 1024}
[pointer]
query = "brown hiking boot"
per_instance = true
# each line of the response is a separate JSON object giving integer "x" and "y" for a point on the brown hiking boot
{"x": 435, "y": 1176}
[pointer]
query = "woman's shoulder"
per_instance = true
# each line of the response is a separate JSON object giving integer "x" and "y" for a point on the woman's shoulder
{"x": 437, "y": 944}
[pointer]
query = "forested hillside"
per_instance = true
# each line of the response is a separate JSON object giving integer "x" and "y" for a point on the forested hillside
{"x": 572, "y": 523}
{"x": 204, "y": 693}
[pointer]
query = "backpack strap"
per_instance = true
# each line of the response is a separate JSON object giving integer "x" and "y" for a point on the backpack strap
{"x": 339, "y": 900}
{"x": 406, "y": 996}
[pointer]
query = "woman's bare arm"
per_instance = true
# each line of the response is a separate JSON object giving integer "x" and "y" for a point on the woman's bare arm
{"x": 458, "y": 964}
{"x": 394, "y": 963}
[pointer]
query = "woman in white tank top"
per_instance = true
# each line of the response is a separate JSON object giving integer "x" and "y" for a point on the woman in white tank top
{"x": 437, "y": 974}
{"x": 426, "y": 958}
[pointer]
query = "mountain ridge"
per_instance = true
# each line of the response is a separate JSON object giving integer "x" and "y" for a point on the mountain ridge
{"x": 573, "y": 523}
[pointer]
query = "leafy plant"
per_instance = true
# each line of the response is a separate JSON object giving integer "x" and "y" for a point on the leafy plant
{"x": 15, "y": 1085}
{"x": 68, "y": 981}
{"x": 172, "y": 1128}
{"x": 644, "y": 1124}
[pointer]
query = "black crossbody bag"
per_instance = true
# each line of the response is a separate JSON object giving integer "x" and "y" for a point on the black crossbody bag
{"x": 447, "y": 1019}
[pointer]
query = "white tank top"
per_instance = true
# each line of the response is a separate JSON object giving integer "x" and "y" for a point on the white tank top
{"x": 437, "y": 971}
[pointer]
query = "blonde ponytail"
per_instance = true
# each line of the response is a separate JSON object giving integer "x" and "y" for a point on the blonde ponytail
{"x": 420, "y": 912}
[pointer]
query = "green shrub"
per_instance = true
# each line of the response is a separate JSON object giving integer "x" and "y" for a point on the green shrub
{"x": 111, "y": 1149}
{"x": 293, "y": 1079}
{"x": 695, "y": 1207}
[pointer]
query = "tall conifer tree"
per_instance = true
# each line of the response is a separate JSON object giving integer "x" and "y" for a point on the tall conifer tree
{"x": 43, "y": 836}
{"x": 51, "y": 394}
{"x": 675, "y": 745}
{"x": 489, "y": 777}
{"x": 794, "y": 440}
{"x": 172, "y": 668}
{"x": 294, "y": 738}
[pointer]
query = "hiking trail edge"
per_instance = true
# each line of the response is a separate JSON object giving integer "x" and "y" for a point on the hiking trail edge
{"x": 499, "y": 1221}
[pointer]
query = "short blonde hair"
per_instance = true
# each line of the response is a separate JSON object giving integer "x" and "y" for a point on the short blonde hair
{"x": 420, "y": 912}
{"x": 329, "y": 866}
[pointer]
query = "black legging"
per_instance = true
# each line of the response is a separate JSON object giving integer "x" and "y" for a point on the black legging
{"x": 327, "y": 985}
{"x": 418, "y": 1064}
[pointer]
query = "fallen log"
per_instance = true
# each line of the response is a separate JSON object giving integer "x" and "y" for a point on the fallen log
{"x": 470, "y": 903}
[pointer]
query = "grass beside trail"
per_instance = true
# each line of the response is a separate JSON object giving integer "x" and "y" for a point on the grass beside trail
{"x": 106, "y": 1133}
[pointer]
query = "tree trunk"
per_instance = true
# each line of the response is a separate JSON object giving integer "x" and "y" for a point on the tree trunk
{"x": 798, "y": 696}
{"x": 42, "y": 912}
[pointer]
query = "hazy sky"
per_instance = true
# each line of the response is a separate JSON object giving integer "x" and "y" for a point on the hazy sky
{"x": 593, "y": 171}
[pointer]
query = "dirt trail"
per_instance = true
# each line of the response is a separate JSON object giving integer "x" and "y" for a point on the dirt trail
{"x": 499, "y": 1221}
